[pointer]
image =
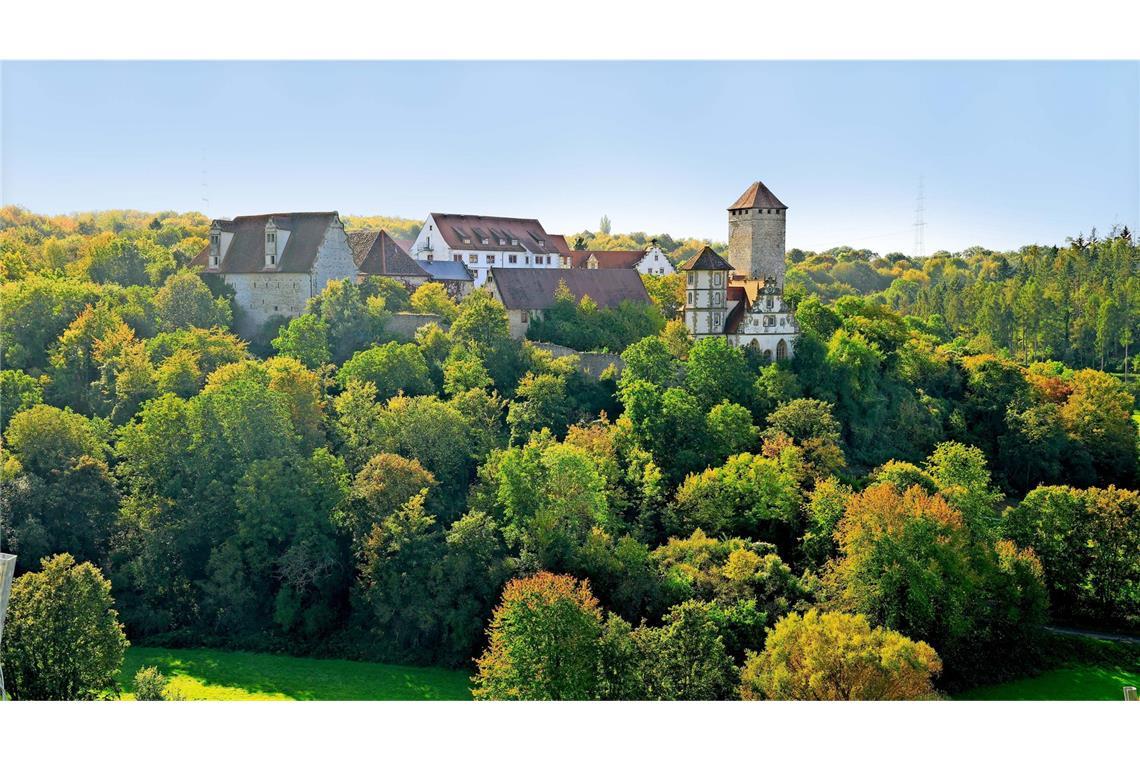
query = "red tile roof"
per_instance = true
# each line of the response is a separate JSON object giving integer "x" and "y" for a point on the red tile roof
{"x": 757, "y": 196}
{"x": 606, "y": 259}
{"x": 467, "y": 232}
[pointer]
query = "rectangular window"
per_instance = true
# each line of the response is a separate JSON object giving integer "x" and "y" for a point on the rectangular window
{"x": 512, "y": 259}
{"x": 490, "y": 258}
{"x": 472, "y": 258}
{"x": 272, "y": 238}
{"x": 689, "y": 297}
{"x": 458, "y": 257}
{"x": 525, "y": 317}
{"x": 502, "y": 241}
{"x": 690, "y": 278}
{"x": 272, "y": 260}
{"x": 514, "y": 241}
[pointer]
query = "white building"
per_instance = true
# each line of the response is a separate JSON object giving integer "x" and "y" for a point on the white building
{"x": 743, "y": 301}
{"x": 483, "y": 242}
{"x": 277, "y": 262}
{"x": 650, "y": 261}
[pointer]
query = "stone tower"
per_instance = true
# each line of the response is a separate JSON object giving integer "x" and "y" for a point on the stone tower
{"x": 756, "y": 225}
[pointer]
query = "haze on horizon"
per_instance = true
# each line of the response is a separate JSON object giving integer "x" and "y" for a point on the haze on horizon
{"x": 1011, "y": 153}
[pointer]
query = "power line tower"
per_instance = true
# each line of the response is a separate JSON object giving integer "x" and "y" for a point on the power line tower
{"x": 920, "y": 221}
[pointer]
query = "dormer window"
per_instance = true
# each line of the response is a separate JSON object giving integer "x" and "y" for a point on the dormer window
{"x": 213, "y": 262}
{"x": 502, "y": 241}
{"x": 272, "y": 261}
{"x": 486, "y": 241}
{"x": 514, "y": 241}
{"x": 467, "y": 241}
{"x": 271, "y": 237}
{"x": 541, "y": 243}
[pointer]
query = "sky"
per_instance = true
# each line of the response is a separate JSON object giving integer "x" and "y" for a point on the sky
{"x": 1009, "y": 153}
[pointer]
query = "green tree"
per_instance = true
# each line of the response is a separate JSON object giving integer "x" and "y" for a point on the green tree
{"x": 540, "y": 402}
{"x": 685, "y": 658}
{"x": 833, "y": 656}
{"x": 19, "y": 391}
{"x": 306, "y": 339}
{"x": 748, "y": 496}
{"x": 62, "y": 638}
{"x": 432, "y": 298}
{"x": 392, "y": 368}
{"x": 185, "y": 301}
{"x": 544, "y": 642}
{"x": 381, "y": 488}
{"x": 1087, "y": 541}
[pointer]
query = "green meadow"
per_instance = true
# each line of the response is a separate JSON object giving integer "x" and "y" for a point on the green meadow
{"x": 1078, "y": 682}
{"x": 217, "y": 675}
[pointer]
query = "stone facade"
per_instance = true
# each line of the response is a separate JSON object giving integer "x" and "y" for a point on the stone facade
{"x": 756, "y": 242}
{"x": 263, "y": 296}
{"x": 276, "y": 262}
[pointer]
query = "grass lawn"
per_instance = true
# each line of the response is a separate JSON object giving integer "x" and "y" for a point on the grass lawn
{"x": 1076, "y": 682}
{"x": 217, "y": 675}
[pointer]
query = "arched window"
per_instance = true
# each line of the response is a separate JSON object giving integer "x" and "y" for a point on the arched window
{"x": 781, "y": 350}
{"x": 767, "y": 354}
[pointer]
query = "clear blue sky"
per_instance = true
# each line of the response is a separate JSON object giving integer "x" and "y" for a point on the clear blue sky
{"x": 1011, "y": 152}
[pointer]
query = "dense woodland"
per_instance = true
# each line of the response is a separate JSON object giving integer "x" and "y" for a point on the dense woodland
{"x": 948, "y": 462}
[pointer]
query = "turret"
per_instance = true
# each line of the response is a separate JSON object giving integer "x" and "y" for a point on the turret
{"x": 706, "y": 293}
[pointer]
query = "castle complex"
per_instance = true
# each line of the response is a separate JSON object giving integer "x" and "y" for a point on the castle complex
{"x": 742, "y": 298}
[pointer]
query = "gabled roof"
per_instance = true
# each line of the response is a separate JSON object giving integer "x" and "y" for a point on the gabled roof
{"x": 707, "y": 259}
{"x": 447, "y": 270}
{"x": 528, "y": 234}
{"x": 606, "y": 259}
{"x": 757, "y": 196}
{"x": 375, "y": 252}
{"x": 534, "y": 289}
{"x": 246, "y": 251}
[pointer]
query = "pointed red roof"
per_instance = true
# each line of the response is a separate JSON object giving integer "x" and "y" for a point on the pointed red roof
{"x": 757, "y": 196}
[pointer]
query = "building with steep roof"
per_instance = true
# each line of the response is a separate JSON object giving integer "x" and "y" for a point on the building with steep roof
{"x": 484, "y": 242}
{"x": 276, "y": 262}
{"x": 650, "y": 261}
{"x": 740, "y": 296}
{"x": 378, "y": 255}
{"x": 526, "y": 293}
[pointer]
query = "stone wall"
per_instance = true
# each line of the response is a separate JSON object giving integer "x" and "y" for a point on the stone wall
{"x": 403, "y": 325}
{"x": 268, "y": 294}
{"x": 593, "y": 363}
